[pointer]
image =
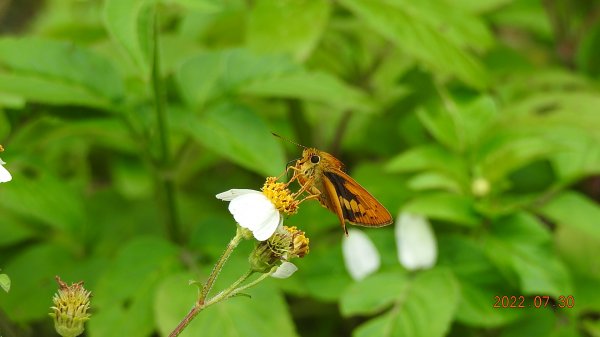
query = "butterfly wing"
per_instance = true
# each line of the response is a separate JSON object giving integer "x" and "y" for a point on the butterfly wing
{"x": 353, "y": 202}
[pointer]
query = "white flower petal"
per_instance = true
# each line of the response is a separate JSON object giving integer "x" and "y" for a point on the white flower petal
{"x": 285, "y": 270}
{"x": 360, "y": 255}
{"x": 256, "y": 213}
{"x": 266, "y": 229}
{"x": 234, "y": 193}
{"x": 417, "y": 246}
{"x": 4, "y": 174}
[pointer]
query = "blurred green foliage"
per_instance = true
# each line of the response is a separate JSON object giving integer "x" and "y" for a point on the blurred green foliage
{"x": 122, "y": 119}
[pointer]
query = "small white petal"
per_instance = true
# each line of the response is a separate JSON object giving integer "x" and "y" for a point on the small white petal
{"x": 360, "y": 255}
{"x": 256, "y": 213}
{"x": 285, "y": 270}
{"x": 417, "y": 246}
{"x": 4, "y": 174}
{"x": 234, "y": 193}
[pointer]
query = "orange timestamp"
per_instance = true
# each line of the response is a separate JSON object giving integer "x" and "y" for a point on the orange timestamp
{"x": 519, "y": 302}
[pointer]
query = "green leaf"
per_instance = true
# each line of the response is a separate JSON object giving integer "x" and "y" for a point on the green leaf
{"x": 127, "y": 289}
{"x": 265, "y": 314}
{"x": 236, "y": 133}
{"x": 292, "y": 26}
{"x": 592, "y": 327}
{"x": 476, "y": 119}
{"x": 311, "y": 86}
{"x": 422, "y": 157}
{"x": 442, "y": 125}
{"x": 5, "y": 282}
{"x": 373, "y": 294}
{"x": 215, "y": 74}
{"x": 203, "y": 6}
{"x": 571, "y": 209}
{"x": 14, "y": 229}
{"x": 68, "y": 74}
{"x": 454, "y": 208}
{"x": 533, "y": 322}
{"x": 434, "y": 181}
{"x": 520, "y": 245}
{"x": 408, "y": 27}
{"x": 32, "y": 275}
{"x": 479, "y": 280}
{"x": 46, "y": 199}
{"x": 129, "y": 23}
{"x": 323, "y": 275}
{"x": 433, "y": 158}
{"x": 507, "y": 151}
{"x": 424, "y": 308}
{"x": 575, "y": 247}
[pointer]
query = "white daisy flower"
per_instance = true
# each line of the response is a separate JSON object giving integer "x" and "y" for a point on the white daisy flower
{"x": 254, "y": 211}
{"x": 417, "y": 246}
{"x": 4, "y": 174}
{"x": 360, "y": 255}
{"x": 285, "y": 270}
{"x": 260, "y": 212}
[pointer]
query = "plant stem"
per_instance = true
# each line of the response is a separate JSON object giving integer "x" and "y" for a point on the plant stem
{"x": 166, "y": 180}
{"x": 251, "y": 284}
{"x": 201, "y": 303}
{"x": 218, "y": 266}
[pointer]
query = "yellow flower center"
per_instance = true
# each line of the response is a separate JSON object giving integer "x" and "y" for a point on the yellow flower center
{"x": 284, "y": 200}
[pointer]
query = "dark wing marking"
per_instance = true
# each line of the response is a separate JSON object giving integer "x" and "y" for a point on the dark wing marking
{"x": 358, "y": 205}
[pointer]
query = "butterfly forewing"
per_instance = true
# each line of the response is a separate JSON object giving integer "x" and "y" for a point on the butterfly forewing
{"x": 322, "y": 174}
{"x": 358, "y": 206}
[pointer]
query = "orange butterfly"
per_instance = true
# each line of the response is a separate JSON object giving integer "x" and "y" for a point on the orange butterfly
{"x": 321, "y": 175}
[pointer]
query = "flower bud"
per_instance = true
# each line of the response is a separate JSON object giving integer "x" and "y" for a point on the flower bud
{"x": 283, "y": 245}
{"x": 71, "y": 304}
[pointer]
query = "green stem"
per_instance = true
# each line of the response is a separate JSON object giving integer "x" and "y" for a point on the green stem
{"x": 201, "y": 303}
{"x": 219, "y": 265}
{"x": 230, "y": 291}
{"x": 166, "y": 180}
{"x": 251, "y": 284}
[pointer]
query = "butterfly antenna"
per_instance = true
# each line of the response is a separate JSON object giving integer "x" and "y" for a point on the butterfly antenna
{"x": 287, "y": 140}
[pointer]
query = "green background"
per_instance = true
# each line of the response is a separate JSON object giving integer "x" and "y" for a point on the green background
{"x": 121, "y": 119}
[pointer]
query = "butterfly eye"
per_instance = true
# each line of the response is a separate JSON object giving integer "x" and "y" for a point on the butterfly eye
{"x": 314, "y": 159}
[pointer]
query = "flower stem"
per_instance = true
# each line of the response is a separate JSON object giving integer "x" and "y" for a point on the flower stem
{"x": 218, "y": 266}
{"x": 201, "y": 303}
{"x": 251, "y": 284}
{"x": 168, "y": 187}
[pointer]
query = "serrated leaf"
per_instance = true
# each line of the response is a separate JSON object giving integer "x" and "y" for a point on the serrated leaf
{"x": 479, "y": 280}
{"x": 571, "y": 209}
{"x": 128, "y": 288}
{"x": 69, "y": 74}
{"x": 424, "y": 309}
{"x": 292, "y": 26}
{"x": 214, "y": 74}
{"x": 129, "y": 22}
{"x": 238, "y": 134}
{"x": 419, "y": 38}
{"x": 533, "y": 322}
{"x": 505, "y": 152}
{"x": 46, "y": 199}
{"x": 312, "y": 86}
{"x": 442, "y": 125}
{"x": 454, "y": 208}
{"x": 32, "y": 276}
{"x": 373, "y": 294}
{"x": 265, "y": 314}
{"x": 520, "y": 244}
{"x": 431, "y": 158}
{"x": 433, "y": 181}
